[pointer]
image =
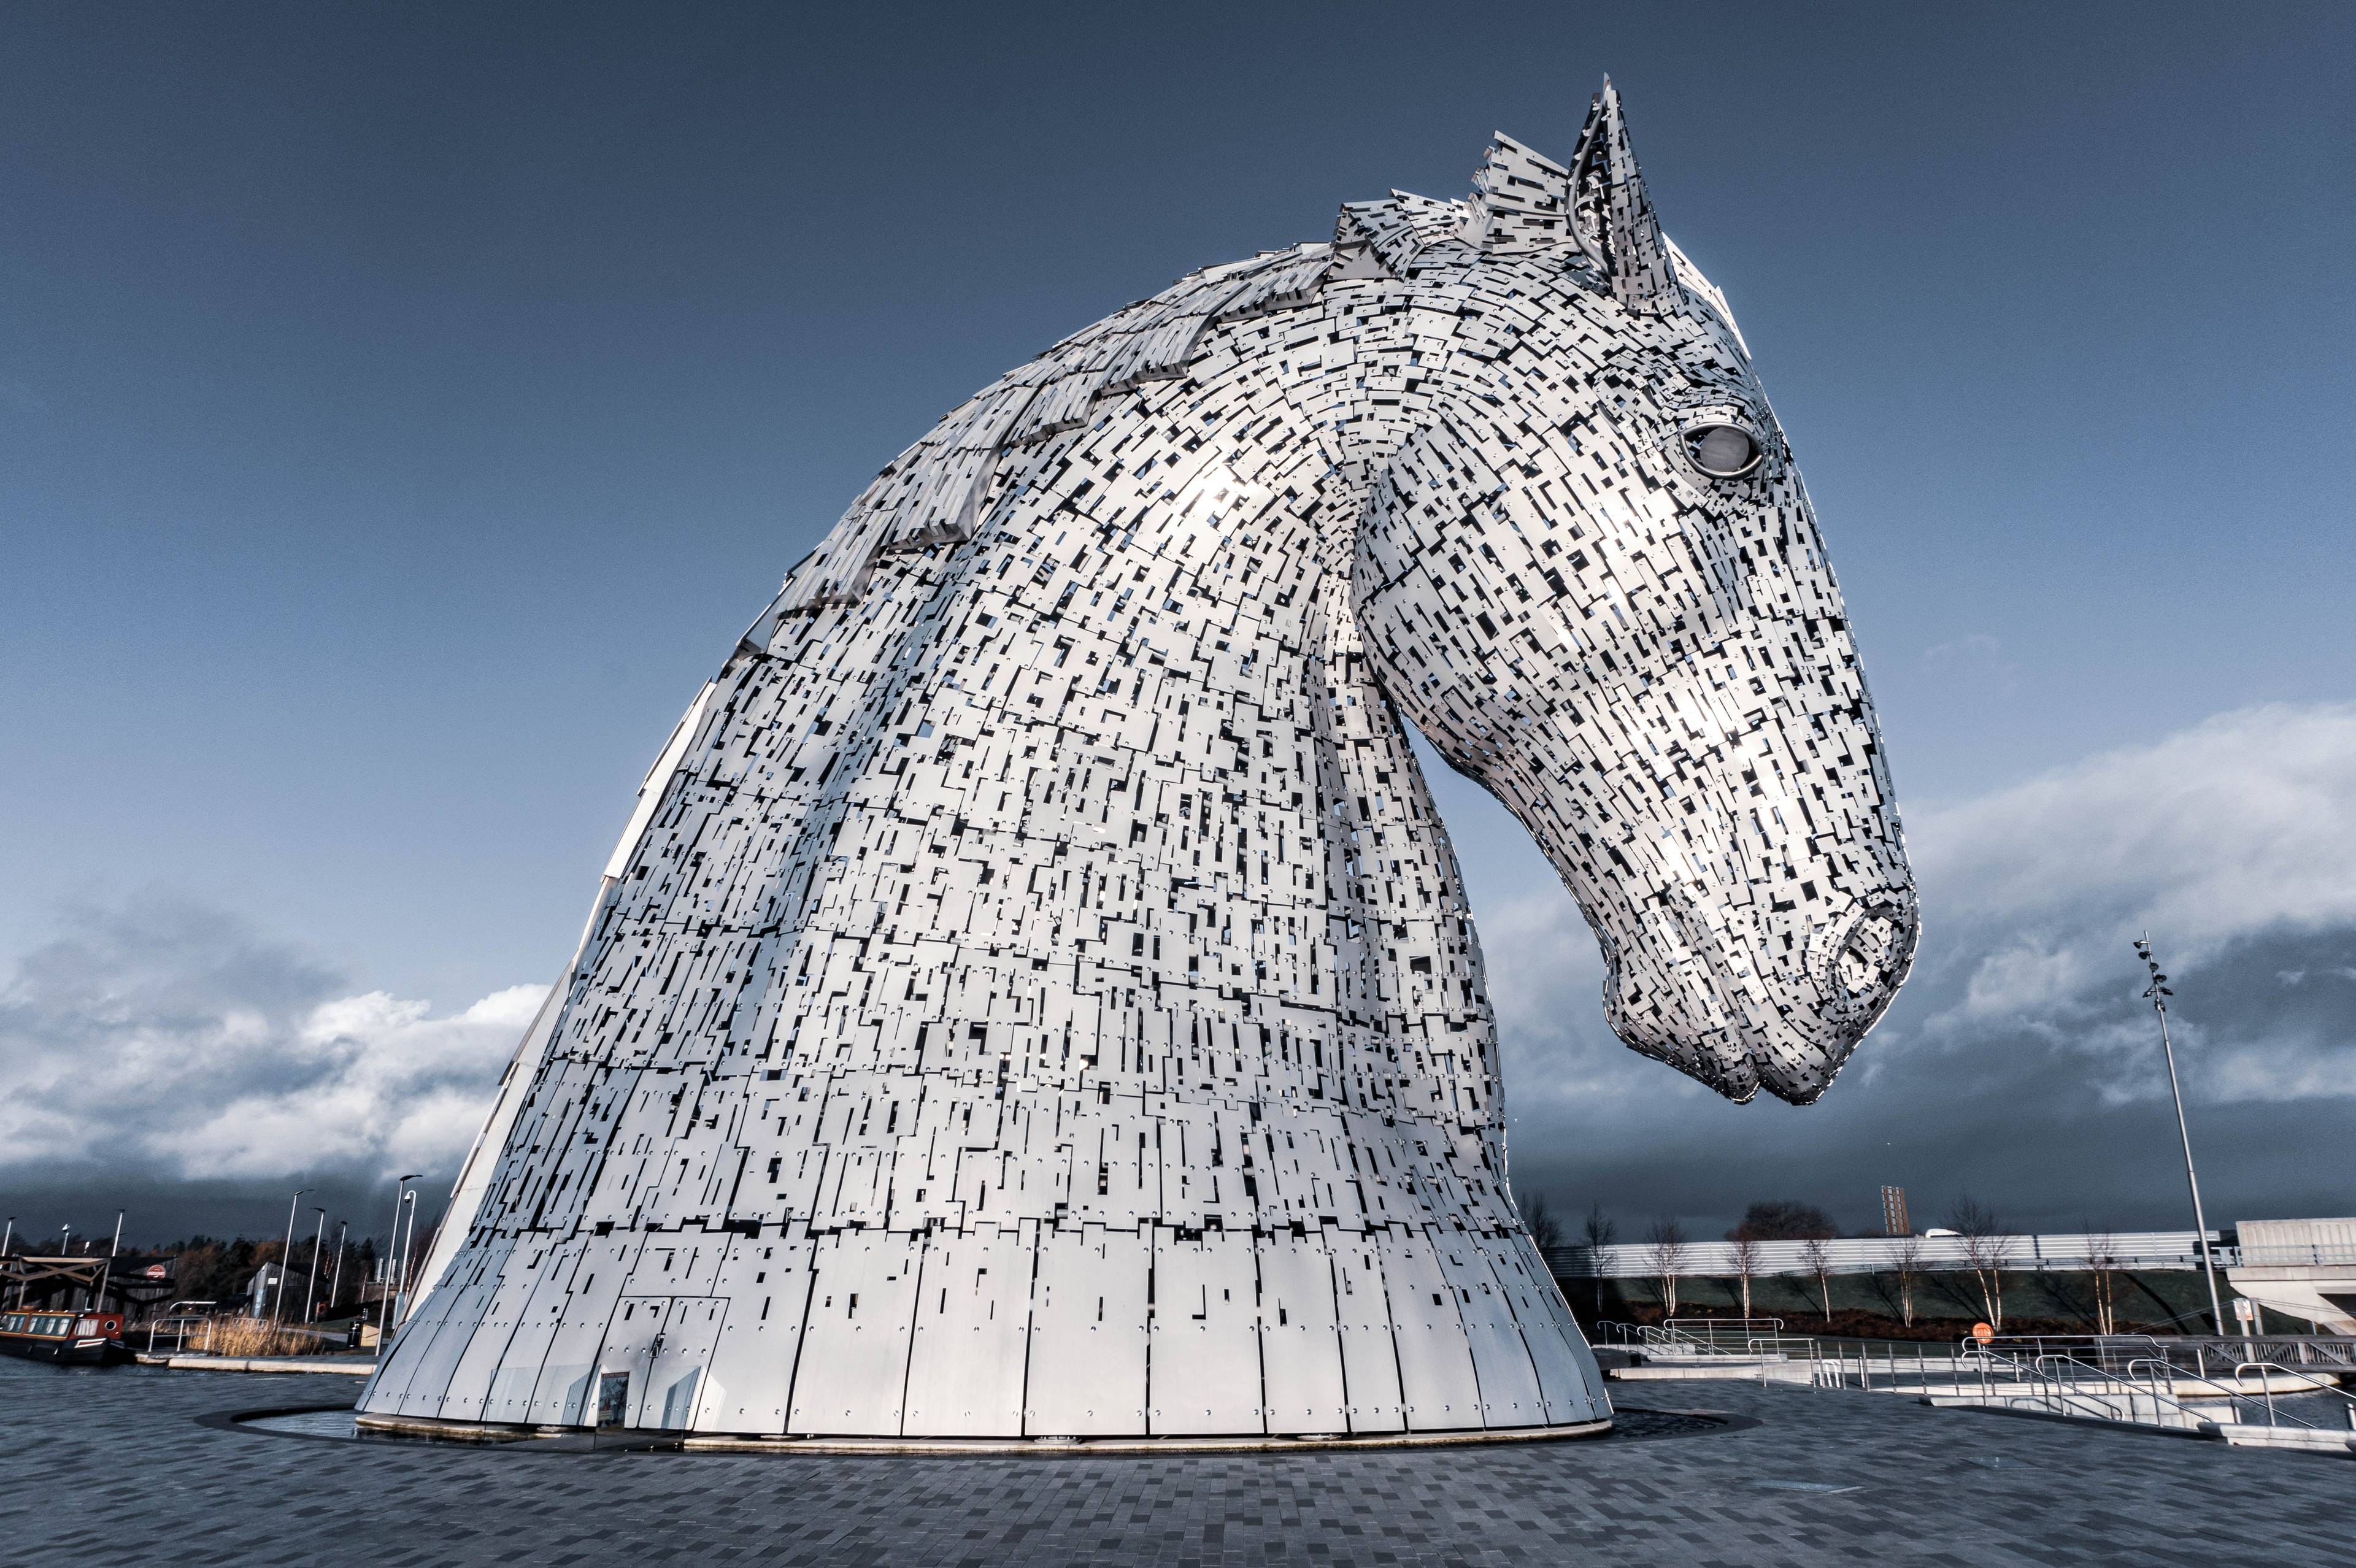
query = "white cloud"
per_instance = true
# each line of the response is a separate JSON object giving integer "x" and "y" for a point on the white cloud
{"x": 171, "y": 1041}
{"x": 2239, "y": 830}
{"x": 2243, "y": 823}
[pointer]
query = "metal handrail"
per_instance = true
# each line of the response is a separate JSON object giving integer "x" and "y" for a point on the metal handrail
{"x": 1669, "y": 1336}
{"x": 1711, "y": 1327}
{"x": 2063, "y": 1377}
{"x": 2315, "y": 1385}
{"x": 2321, "y": 1385}
{"x": 2233, "y": 1395}
{"x": 2061, "y": 1382}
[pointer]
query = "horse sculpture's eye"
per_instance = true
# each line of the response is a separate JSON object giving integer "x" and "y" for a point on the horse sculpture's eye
{"x": 1722, "y": 451}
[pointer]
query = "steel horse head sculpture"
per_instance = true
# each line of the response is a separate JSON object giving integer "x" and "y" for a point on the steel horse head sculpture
{"x": 1035, "y": 996}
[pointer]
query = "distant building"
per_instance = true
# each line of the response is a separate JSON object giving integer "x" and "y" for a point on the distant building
{"x": 1893, "y": 1212}
{"x": 2301, "y": 1268}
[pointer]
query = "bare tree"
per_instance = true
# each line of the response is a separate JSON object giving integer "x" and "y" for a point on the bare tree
{"x": 1818, "y": 1260}
{"x": 2103, "y": 1261}
{"x": 1601, "y": 1231}
{"x": 1746, "y": 1260}
{"x": 1537, "y": 1218}
{"x": 1908, "y": 1256}
{"x": 1985, "y": 1247}
{"x": 1665, "y": 1250}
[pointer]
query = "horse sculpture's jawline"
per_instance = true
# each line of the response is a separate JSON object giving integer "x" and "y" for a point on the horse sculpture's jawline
{"x": 1036, "y": 996}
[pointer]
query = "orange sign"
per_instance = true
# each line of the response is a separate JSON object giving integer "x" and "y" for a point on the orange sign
{"x": 1983, "y": 1333}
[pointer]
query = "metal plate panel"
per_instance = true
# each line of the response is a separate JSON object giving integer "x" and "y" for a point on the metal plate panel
{"x": 767, "y": 1284}
{"x": 1501, "y": 1361}
{"x": 562, "y": 1394}
{"x": 1437, "y": 1389}
{"x": 972, "y": 1325}
{"x": 1370, "y": 1369}
{"x": 1088, "y": 1335}
{"x": 1301, "y": 1338}
{"x": 854, "y": 1366}
{"x": 1203, "y": 1363}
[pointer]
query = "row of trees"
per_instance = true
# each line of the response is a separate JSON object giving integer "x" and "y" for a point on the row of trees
{"x": 1984, "y": 1239}
{"x": 208, "y": 1268}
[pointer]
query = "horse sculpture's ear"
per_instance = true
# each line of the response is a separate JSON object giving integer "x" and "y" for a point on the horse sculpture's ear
{"x": 1611, "y": 217}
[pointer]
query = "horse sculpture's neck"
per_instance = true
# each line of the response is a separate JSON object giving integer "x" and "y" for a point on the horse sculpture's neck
{"x": 1124, "y": 748}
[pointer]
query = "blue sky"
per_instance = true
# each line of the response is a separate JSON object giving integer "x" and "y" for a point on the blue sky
{"x": 402, "y": 410}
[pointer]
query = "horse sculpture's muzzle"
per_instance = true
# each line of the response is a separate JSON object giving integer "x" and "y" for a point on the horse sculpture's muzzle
{"x": 1700, "y": 997}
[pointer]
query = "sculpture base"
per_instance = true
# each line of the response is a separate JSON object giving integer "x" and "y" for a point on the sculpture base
{"x": 479, "y": 1432}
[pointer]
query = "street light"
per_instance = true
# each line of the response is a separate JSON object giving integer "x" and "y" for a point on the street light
{"x": 311, "y": 1291}
{"x": 286, "y": 1258}
{"x": 2158, "y": 995}
{"x": 106, "y": 1274}
{"x": 336, "y": 1290}
{"x": 408, "y": 1245}
{"x": 392, "y": 1247}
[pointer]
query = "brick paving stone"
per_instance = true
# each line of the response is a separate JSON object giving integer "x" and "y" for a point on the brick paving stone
{"x": 111, "y": 1468}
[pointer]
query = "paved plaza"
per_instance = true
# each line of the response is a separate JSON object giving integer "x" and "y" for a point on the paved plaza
{"x": 117, "y": 1467}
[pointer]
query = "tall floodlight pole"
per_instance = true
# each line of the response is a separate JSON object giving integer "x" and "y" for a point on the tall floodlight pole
{"x": 106, "y": 1274}
{"x": 286, "y": 1258}
{"x": 311, "y": 1290}
{"x": 393, "y": 1247}
{"x": 408, "y": 1246}
{"x": 2158, "y": 996}
{"x": 336, "y": 1290}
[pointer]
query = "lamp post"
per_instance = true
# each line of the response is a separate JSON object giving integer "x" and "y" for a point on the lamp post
{"x": 2158, "y": 995}
{"x": 106, "y": 1274}
{"x": 336, "y": 1290}
{"x": 408, "y": 1246}
{"x": 286, "y": 1257}
{"x": 393, "y": 1247}
{"x": 311, "y": 1290}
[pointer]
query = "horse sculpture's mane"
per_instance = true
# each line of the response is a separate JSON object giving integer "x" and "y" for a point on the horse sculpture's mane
{"x": 1035, "y": 995}
{"x": 934, "y": 492}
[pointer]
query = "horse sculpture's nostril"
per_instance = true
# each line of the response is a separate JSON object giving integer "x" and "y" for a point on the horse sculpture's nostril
{"x": 1872, "y": 955}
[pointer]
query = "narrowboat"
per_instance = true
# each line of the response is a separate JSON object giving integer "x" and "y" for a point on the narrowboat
{"x": 75, "y": 1339}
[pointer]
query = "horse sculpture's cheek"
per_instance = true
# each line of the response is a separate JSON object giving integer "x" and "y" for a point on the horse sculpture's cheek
{"x": 1676, "y": 719}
